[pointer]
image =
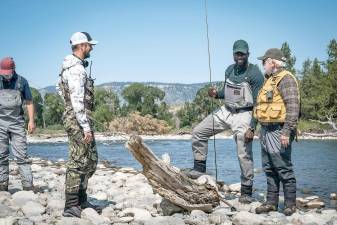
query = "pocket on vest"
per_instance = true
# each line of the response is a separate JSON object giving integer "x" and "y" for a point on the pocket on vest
{"x": 275, "y": 111}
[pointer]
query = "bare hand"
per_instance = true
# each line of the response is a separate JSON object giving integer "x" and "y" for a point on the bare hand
{"x": 284, "y": 140}
{"x": 249, "y": 135}
{"x": 31, "y": 127}
{"x": 88, "y": 137}
{"x": 212, "y": 92}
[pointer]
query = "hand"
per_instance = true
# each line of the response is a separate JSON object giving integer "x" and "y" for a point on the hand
{"x": 284, "y": 140}
{"x": 88, "y": 138}
{"x": 31, "y": 127}
{"x": 212, "y": 92}
{"x": 249, "y": 135}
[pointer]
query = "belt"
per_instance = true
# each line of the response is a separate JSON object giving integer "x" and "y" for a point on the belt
{"x": 232, "y": 110}
{"x": 271, "y": 124}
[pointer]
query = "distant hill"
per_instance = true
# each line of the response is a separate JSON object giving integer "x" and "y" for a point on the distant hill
{"x": 176, "y": 93}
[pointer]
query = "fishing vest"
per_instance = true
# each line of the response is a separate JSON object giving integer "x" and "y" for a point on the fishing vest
{"x": 238, "y": 95}
{"x": 69, "y": 113}
{"x": 270, "y": 107}
{"x": 11, "y": 102}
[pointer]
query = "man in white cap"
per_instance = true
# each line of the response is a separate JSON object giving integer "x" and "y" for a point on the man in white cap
{"x": 14, "y": 92}
{"x": 77, "y": 89}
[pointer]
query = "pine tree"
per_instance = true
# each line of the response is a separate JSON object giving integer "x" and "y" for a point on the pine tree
{"x": 290, "y": 59}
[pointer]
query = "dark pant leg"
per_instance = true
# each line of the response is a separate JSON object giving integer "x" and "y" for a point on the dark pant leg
{"x": 281, "y": 161}
{"x": 273, "y": 181}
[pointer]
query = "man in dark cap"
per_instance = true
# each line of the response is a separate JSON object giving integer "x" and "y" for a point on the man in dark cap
{"x": 14, "y": 92}
{"x": 243, "y": 80}
{"x": 277, "y": 110}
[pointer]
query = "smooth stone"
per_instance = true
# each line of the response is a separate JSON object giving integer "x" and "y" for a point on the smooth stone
{"x": 169, "y": 208}
{"x": 126, "y": 219}
{"x": 73, "y": 221}
{"x": 33, "y": 209}
{"x": 164, "y": 220}
{"x": 92, "y": 215}
{"x": 36, "y": 168}
{"x": 6, "y": 211}
{"x": 235, "y": 187}
{"x": 333, "y": 196}
{"x": 315, "y": 204}
{"x": 25, "y": 221}
{"x": 247, "y": 218}
{"x": 8, "y": 221}
{"x": 101, "y": 196}
{"x": 20, "y": 198}
{"x": 137, "y": 214}
{"x": 197, "y": 217}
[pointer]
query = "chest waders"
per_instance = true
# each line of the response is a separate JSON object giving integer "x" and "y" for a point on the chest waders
{"x": 83, "y": 158}
{"x": 238, "y": 96}
{"x": 12, "y": 129}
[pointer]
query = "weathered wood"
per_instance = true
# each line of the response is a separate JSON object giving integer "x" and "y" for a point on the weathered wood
{"x": 170, "y": 183}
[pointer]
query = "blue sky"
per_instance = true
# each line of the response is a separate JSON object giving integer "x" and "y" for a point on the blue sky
{"x": 163, "y": 41}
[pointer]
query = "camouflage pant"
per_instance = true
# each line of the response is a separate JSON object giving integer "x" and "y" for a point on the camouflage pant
{"x": 82, "y": 160}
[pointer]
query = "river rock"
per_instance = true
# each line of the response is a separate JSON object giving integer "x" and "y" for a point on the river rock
{"x": 36, "y": 168}
{"x": 8, "y": 221}
{"x": 207, "y": 179}
{"x": 197, "y": 217}
{"x": 168, "y": 208}
{"x": 247, "y": 218}
{"x": 55, "y": 206}
{"x": 137, "y": 214}
{"x": 235, "y": 187}
{"x": 33, "y": 209}
{"x": 25, "y": 221}
{"x": 73, "y": 221}
{"x": 91, "y": 215}
{"x": 218, "y": 217}
{"x": 164, "y": 220}
{"x": 333, "y": 196}
{"x": 20, "y": 198}
{"x": 315, "y": 204}
{"x": 6, "y": 211}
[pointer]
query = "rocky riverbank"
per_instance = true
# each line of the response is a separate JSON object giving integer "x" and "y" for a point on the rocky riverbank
{"x": 128, "y": 199}
{"x": 61, "y": 138}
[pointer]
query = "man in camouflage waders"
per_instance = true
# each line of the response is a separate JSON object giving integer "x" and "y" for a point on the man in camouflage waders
{"x": 77, "y": 89}
{"x": 14, "y": 91}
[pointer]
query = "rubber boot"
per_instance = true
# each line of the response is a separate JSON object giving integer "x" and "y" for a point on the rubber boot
{"x": 246, "y": 194}
{"x": 71, "y": 207}
{"x": 198, "y": 170}
{"x": 83, "y": 200}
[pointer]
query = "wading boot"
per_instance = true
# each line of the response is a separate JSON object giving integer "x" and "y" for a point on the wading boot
{"x": 246, "y": 194}
{"x": 265, "y": 208}
{"x": 83, "y": 199}
{"x": 198, "y": 170}
{"x": 71, "y": 207}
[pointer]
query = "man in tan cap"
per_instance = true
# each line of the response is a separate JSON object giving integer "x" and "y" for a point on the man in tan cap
{"x": 14, "y": 92}
{"x": 277, "y": 110}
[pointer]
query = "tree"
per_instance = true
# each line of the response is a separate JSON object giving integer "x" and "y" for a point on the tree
{"x": 331, "y": 87}
{"x": 53, "y": 109}
{"x": 147, "y": 100}
{"x": 38, "y": 106}
{"x": 201, "y": 107}
{"x": 106, "y": 108}
{"x": 290, "y": 59}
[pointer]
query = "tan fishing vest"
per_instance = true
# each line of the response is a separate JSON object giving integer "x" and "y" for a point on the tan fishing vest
{"x": 270, "y": 107}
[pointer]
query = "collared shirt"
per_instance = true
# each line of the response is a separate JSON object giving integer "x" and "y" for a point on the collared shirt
{"x": 25, "y": 89}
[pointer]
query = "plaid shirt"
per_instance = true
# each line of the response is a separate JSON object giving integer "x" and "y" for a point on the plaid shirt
{"x": 290, "y": 94}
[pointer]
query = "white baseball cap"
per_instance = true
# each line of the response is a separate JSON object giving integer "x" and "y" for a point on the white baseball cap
{"x": 81, "y": 37}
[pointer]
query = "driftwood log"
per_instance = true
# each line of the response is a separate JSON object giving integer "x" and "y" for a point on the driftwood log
{"x": 170, "y": 183}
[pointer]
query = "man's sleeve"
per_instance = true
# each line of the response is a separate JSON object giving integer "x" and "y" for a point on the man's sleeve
{"x": 256, "y": 83}
{"x": 27, "y": 93}
{"x": 289, "y": 91}
{"x": 76, "y": 83}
